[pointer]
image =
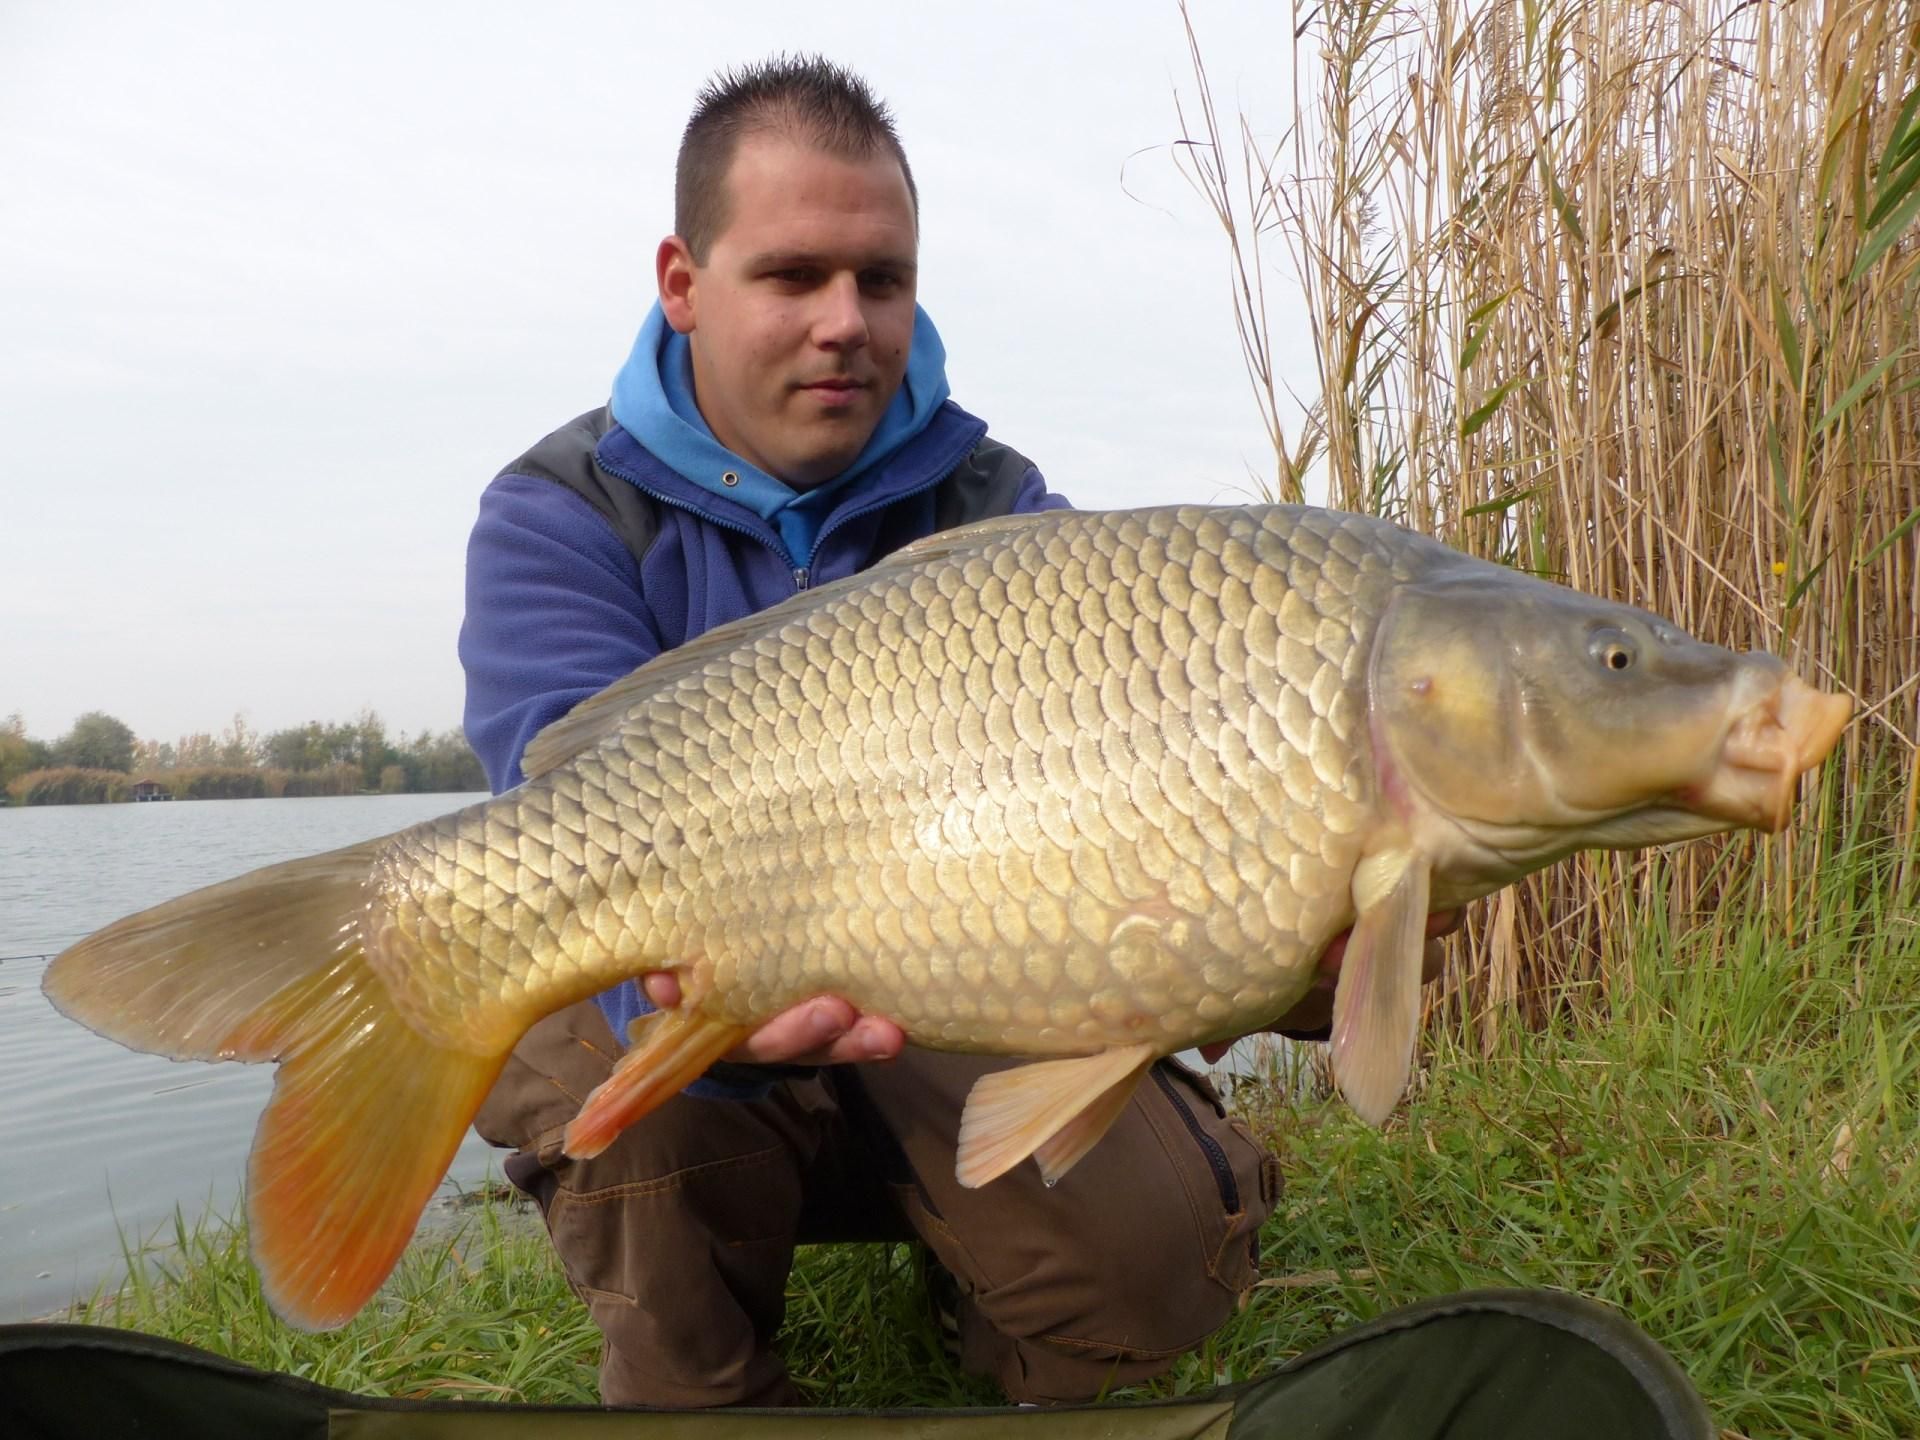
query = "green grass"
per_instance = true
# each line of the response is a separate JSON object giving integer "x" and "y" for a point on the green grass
{"x": 1730, "y": 1159}
{"x": 480, "y": 1312}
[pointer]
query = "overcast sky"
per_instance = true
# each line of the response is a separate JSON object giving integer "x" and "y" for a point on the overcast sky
{"x": 282, "y": 287}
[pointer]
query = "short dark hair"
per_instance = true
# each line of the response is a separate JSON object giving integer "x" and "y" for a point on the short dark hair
{"x": 806, "y": 98}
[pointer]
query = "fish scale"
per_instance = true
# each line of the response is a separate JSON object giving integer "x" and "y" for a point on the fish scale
{"x": 1069, "y": 810}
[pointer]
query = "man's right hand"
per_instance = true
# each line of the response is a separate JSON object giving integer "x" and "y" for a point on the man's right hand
{"x": 825, "y": 1030}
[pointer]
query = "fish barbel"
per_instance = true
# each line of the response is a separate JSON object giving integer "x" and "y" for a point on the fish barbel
{"x": 1085, "y": 787}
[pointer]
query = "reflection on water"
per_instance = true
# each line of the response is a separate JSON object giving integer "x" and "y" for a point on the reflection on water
{"x": 96, "y": 1139}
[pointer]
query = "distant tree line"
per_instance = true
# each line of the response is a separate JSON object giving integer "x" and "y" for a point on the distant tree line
{"x": 101, "y": 760}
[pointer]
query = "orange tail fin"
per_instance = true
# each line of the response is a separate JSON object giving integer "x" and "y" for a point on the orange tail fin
{"x": 366, "y": 1112}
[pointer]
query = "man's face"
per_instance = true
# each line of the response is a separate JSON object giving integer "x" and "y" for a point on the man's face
{"x": 802, "y": 316}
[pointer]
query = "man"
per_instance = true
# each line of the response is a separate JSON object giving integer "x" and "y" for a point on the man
{"x": 783, "y": 421}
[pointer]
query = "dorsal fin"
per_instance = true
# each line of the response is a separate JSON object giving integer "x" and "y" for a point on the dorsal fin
{"x": 598, "y": 716}
{"x": 962, "y": 537}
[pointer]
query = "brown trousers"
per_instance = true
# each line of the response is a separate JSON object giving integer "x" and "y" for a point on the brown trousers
{"x": 680, "y": 1235}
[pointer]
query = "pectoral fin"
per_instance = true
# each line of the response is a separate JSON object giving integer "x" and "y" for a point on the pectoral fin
{"x": 1376, "y": 1006}
{"x": 1054, "y": 1110}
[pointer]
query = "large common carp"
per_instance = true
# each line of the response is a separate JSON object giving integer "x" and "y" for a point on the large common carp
{"x": 1090, "y": 786}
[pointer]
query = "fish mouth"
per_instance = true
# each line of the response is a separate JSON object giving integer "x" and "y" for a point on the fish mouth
{"x": 1771, "y": 745}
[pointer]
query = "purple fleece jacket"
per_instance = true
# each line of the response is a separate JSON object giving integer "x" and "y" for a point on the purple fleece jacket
{"x": 558, "y": 608}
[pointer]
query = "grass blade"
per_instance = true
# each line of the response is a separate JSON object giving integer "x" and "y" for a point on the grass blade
{"x": 1477, "y": 332}
{"x": 1892, "y": 537}
{"x": 1786, "y": 333}
{"x": 1485, "y": 412}
{"x": 1854, "y": 391}
{"x": 1800, "y": 586}
{"x": 1903, "y": 136}
{"x": 1884, "y": 238}
{"x": 1562, "y": 206}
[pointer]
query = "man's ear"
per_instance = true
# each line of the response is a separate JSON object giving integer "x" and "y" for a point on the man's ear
{"x": 673, "y": 270}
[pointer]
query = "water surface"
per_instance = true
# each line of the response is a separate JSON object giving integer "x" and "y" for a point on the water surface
{"x": 96, "y": 1139}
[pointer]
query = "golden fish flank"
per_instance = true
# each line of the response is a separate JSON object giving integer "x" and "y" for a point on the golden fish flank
{"x": 1103, "y": 783}
{"x": 1090, "y": 786}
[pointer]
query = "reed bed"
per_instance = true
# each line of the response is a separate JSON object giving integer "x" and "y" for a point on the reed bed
{"x": 1622, "y": 294}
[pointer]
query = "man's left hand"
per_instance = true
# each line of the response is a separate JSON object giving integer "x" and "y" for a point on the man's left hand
{"x": 825, "y": 1030}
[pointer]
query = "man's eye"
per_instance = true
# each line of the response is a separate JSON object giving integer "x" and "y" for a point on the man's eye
{"x": 880, "y": 280}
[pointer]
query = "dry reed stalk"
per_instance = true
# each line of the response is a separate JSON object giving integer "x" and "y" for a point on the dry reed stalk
{"x": 1624, "y": 294}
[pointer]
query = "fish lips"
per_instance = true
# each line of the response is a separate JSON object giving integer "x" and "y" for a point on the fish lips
{"x": 1770, "y": 745}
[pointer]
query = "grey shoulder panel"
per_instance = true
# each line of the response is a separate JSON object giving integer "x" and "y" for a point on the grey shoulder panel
{"x": 569, "y": 457}
{"x": 981, "y": 486}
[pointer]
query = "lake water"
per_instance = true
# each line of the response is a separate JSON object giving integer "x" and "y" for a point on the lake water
{"x": 96, "y": 1140}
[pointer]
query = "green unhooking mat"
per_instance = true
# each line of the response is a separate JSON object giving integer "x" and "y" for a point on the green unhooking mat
{"x": 1466, "y": 1367}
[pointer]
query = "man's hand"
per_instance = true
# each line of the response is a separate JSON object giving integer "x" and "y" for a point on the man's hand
{"x": 1315, "y": 1010}
{"x": 825, "y": 1030}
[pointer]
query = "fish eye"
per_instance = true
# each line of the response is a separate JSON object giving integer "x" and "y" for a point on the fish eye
{"x": 1614, "y": 649}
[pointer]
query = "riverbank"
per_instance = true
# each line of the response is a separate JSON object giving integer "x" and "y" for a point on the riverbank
{"x": 75, "y": 786}
{"x": 1732, "y": 1160}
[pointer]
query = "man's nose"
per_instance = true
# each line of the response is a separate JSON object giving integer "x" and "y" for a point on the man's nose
{"x": 841, "y": 323}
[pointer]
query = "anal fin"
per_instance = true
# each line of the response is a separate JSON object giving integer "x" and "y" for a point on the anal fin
{"x": 677, "y": 1047}
{"x": 1054, "y": 1110}
{"x": 1376, "y": 1005}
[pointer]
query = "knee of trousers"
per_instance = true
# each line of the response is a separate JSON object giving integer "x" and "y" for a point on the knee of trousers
{"x": 1152, "y": 1303}
{"x": 1143, "y": 1267}
{"x": 1068, "y": 1334}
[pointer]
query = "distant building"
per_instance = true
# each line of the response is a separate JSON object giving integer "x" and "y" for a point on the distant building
{"x": 151, "y": 790}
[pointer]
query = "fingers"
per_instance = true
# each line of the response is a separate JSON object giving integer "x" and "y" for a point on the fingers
{"x": 822, "y": 1031}
{"x": 825, "y": 1030}
{"x": 871, "y": 1037}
